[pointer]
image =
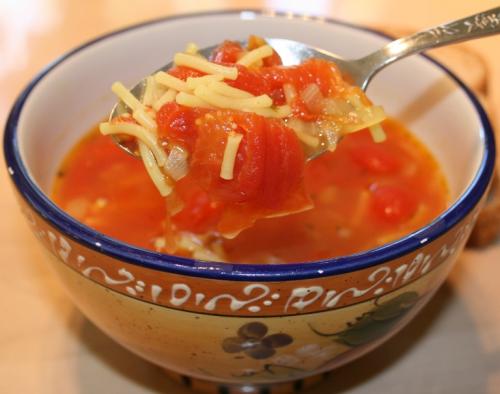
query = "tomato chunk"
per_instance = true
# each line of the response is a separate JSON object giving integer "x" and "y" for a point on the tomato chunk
{"x": 268, "y": 165}
{"x": 227, "y": 52}
{"x": 251, "y": 81}
{"x": 284, "y": 164}
{"x": 393, "y": 204}
{"x": 200, "y": 212}
{"x": 375, "y": 157}
{"x": 176, "y": 124}
{"x": 267, "y": 176}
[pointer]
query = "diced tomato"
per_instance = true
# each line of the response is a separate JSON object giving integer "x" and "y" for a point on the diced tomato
{"x": 317, "y": 71}
{"x": 375, "y": 158}
{"x": 268, "y": 173}
{"x": 274, "y": 76}
{"x": 176, "y": 123}
{"x": 227, "y": 52}
{"x": 284, "y": 166}
{"x": 323, "y": 74}
{"x": 209, "y": 152}
{"x": 250, "y": 161}
{"x": 200, "y": 212}
{"x": 253, "y": 82}
{"x": 250, "y": 81}
{"x": 269, "y": 163}
{"x": 184, "y": 73}
{"x": 270, "y": 80}
{"x": 393, "y": 204}
{"x": 237, "y": 217}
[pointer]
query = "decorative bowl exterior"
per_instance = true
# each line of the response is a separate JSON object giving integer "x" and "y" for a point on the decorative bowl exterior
{"x": 244, "y": 332}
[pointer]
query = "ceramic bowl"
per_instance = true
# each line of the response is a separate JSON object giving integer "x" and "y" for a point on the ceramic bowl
{"x": 248, "y": 328}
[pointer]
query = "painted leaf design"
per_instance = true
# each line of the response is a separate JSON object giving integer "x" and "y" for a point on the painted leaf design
{"x": 379, "y": 321}
{"x": 395, "y": 306}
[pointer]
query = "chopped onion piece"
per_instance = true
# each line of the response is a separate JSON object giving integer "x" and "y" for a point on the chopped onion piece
{"x": 301, "y": 129}
{"x": 290, "y": 93}
{"x": 331, "y": 133}
{"x": 196, "y": 246}
{"x": 174, "y": 203}
{"x": 206, "y": 254}
{"x": 332, "y": 138}
{"x": 370, "y": 117}
{"x": 189, "y": 241}
{"x": 176, "y": 165}
{"x": 312, "y": 97}
{"x": 159, "y": 243}
{"x": 336, "y": 107}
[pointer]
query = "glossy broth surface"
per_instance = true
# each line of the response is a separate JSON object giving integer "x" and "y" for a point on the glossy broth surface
{"x": 365, "y": 194}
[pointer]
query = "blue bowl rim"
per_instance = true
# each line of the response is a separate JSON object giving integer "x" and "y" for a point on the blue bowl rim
{"x": 234, "y": 271}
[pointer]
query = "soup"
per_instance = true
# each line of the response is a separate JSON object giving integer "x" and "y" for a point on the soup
{"x": 365, "y": 194}
{"x": 224, "y": 141}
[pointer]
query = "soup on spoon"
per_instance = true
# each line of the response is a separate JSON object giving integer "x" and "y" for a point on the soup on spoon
{"x": 236, "y": 125}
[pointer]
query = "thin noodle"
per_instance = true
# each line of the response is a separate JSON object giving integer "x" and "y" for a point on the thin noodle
{"x": 158, "y": 178}
{"x": 255, "y": 56}
{"x": 171, "y": 82}
{"x": 140, "y": 133}
{"x": 183, "y": 59}
{"x": 217, "y": 100}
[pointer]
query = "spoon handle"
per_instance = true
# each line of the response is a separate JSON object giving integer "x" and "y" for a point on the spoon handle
{"x": 475, "y": 26}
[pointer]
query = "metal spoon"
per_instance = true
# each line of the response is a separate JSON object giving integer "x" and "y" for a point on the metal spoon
{"x": 362, "y": 70}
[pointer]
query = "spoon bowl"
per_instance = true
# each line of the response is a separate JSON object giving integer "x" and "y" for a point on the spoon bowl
{"x": 362, "y": 70}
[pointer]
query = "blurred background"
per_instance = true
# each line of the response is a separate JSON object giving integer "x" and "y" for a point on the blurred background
{"x": 48, "y": 347}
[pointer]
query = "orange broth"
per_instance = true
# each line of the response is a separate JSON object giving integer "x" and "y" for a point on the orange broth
{"x": 365, "y": 194}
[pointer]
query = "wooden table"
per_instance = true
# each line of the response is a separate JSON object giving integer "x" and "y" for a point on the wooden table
{"x": 48, "y": 347}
